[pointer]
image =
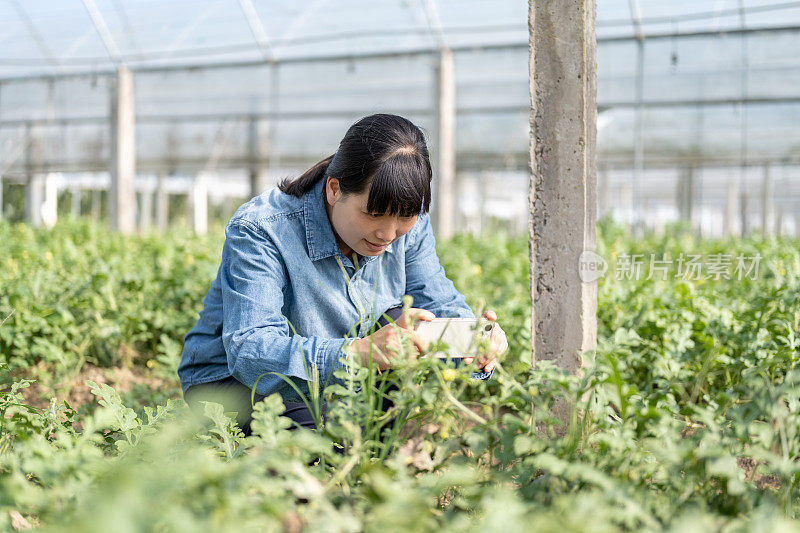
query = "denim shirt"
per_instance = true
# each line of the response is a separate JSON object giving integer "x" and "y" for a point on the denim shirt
{"x": 285, "y": 298}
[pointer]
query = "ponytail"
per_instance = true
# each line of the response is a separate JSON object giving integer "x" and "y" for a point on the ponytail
{"x": 306, "y": 181}
{"x": 384, "y": 154}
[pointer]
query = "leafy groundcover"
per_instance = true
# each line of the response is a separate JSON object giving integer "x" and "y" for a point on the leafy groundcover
{"x": 686, "y": 418}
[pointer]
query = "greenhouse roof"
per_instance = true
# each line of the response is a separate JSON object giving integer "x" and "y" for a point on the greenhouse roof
{"x": 51, "y": 37}
{"x": 679, "y": 82}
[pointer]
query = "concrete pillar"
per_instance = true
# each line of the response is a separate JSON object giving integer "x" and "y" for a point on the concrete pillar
{"x": 744, "y": 210}
{"x": 162, "y": 202}
{"x": 96, "y": 201}
{"x": 75, "y": 202}
{"x": 34, "y": 198}
{"x": 766, "y": 201}
{"x": 686, "y": 189}
{"x": 198, "y": 204}
{"x": 122, "y": 197}
{"x": 638, "y": 141}
{"x": 563, "y": 188}
{"x": 34, "y": 187}
{"x": 259, "y": 181}
{"x": 445, "y": 177}
{"x": 731, "y": 208}
{"x": 146, "y": 207}
{"x": 50, "y": 203}
{"x": 778, "y": 222}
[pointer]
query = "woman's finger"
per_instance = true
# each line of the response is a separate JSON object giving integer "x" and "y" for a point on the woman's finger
{"x": 421, "y": 314}
{"x": 413, "y": 316}
{"x": 420, "y": 343}
{"x": 490, "y": 315}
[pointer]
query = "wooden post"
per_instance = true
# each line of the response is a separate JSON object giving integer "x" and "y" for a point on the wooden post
{"x": 563, "y": 187}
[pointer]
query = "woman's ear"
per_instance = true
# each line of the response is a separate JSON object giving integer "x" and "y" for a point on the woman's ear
{"x": 332, "y": 190}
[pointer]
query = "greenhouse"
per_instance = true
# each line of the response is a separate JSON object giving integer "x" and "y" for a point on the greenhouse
{"x": 400, "y": 265}
{"x": 698, "y": 104}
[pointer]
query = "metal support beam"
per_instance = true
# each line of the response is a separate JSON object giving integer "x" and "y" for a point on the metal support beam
{"x": 309, "y": 9}
{"x": 37, "y": 36}
{"x": 445, "y": 98}
{"x": 229, "y": 64}
{"x": 434, "y": 23}
{"x": 563, "y": 195}
{"x": 122, "y": 199}
{"x": 102, "y": 29}
{"x": 257, "y": 29}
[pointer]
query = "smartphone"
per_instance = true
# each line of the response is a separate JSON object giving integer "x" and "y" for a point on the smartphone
{"x": 459, "y": 334}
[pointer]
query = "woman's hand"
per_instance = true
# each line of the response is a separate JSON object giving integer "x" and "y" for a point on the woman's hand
{"x": 385, "y": 343}
{"x": 497, "y": 345}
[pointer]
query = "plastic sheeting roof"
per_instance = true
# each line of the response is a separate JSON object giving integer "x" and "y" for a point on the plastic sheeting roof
{"x": 705, "y": 81}
{"x": 57, "y": 36}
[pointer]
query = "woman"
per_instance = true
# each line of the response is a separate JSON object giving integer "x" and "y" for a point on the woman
{"x": 307, "y": 269}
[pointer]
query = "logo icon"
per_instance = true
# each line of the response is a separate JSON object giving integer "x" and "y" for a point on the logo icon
{"x": 591, "y": 266}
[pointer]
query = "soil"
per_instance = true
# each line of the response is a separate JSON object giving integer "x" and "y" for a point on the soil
{"x": 123, "y": 379}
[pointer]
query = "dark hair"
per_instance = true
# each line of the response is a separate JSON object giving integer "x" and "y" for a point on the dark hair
{"x": 386, "y": 153}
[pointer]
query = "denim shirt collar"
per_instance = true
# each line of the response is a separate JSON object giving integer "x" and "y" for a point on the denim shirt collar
{"x": 319, "y": 233}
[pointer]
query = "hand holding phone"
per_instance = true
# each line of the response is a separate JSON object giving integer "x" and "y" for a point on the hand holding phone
{"x": 459, "y": 335}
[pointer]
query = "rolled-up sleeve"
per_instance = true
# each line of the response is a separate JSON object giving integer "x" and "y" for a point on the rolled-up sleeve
{"x": 255, "y": 333}
{"x": 426, "y": 281}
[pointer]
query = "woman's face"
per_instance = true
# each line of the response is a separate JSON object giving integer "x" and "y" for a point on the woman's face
{"x": 357, "y": 230}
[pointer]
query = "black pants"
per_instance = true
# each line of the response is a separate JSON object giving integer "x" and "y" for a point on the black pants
{"x": 235, "y": 396}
